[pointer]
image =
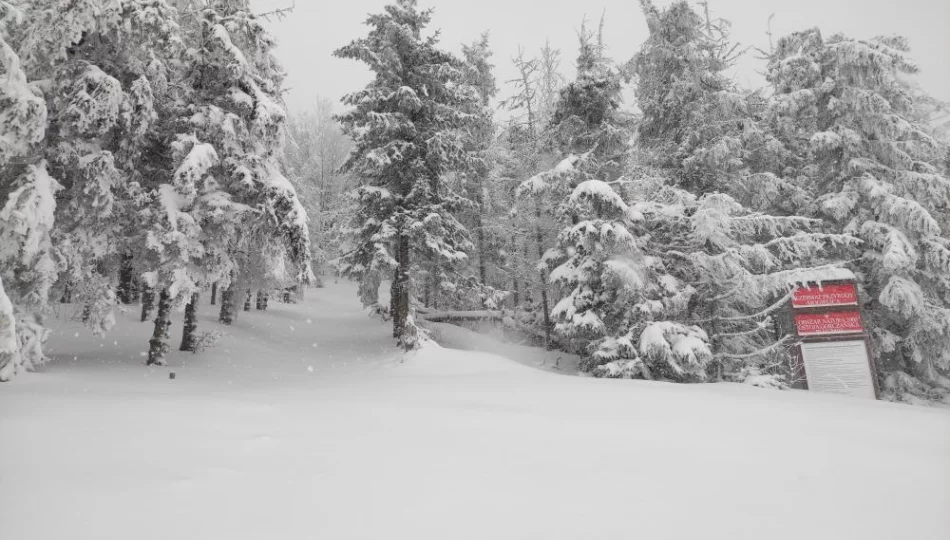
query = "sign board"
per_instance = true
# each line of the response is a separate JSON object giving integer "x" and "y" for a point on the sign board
{"x": 832, "y": 354}
{"x": 837, "y": 294}
{"x": 838, "y": 367}
{"x": 829, "y": 323}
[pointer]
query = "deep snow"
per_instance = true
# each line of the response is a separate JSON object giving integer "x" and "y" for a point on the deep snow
{"x": 306, "y": 423}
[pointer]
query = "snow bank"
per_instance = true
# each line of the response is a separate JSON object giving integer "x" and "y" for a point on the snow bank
{"x": 306, "y": 422}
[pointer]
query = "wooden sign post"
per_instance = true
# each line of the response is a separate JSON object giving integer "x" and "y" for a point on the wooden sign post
{"x": 833, "y": 354}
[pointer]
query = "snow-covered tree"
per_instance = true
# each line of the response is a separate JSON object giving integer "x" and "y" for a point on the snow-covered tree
{"x": 105, "y": 68}
{"x": 718, "y": 268}
{"x": 595, "y": 248}
{"x": 229, "y": 216}
{"x": 843, "y": 109}
{"x": 406, "y": 127}
{"x": 315, "y": 151}
{"x": 524, "y": 150}
{"x": 479, "y": 141}
{"x": 27, "y": 269}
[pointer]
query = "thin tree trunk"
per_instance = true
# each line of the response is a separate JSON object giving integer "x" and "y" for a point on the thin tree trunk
{"x": 434, "y": 284}
{"x": 401, "y": 290}
{"x": 516, "y": 292}
{"x": 226, "y": 315}
{"x": 286, "y": 295}
{"x": 67, "y": 295}
{"x": 158, "y": 345}
{"x": 394, "y": 299}
{"x": 427, "y": 292}
{"x": 261, "y": 300}
{"x": 126, "y": 275}
{"x": 539, "y": 239}
{"x": 148, "y": 302}
{"x": 214, "y": 293}
{"x": 480, "y": 239}
{"x": 247, "y": 300}
{"x": 189, "y": 333}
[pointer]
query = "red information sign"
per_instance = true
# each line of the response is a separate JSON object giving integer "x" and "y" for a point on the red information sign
{"x": 835, "y": 322}
{"x": 839, "y": 294}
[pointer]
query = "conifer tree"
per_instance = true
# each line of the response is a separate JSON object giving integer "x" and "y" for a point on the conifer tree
{"x": 479, "y": 143}
{"x": 406, "y": 128}
{"x": 719, "y": 269}
{"x": 27, "y": 267}
{"x": 847, "y": 118}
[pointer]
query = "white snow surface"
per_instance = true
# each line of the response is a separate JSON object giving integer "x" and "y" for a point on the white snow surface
{"x": 306, "y": 423}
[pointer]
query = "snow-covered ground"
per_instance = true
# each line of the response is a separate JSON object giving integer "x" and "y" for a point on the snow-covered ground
{"x": 306, "y": 423}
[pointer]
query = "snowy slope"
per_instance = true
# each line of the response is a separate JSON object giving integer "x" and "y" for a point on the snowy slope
{"x": 305, "y": 423}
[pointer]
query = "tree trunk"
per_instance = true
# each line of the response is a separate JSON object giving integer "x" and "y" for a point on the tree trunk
{"x": 394, "y": 299}
{"x": 427, "y": 291}
{"x": 158, "y": 345}
{"x": 261, "y": 300}
{"x": 67, "y": 294}
{"x": 516, "y": 292}
{"x": 148, "y": 302}
{"x": 480, "y": 239}
{"x": 126, "y": 278}
{"x": 226, "y": 315}
{"x": 247, "y": 300}
{"x": 401, "y": 289}
{"x": 189, "y": 334}
{"x": 214, "y": 292}
{"x": 286, "y": 295}
{"x": 539, "y": 239}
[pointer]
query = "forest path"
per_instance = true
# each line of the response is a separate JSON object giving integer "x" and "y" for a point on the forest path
{"x": 306, "y": 422}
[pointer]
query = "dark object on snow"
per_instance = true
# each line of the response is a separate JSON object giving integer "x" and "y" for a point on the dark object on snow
{"x": 171, "y": 375}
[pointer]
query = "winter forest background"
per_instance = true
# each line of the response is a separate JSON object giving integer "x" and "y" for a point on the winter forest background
{"x": 644, "y": 210}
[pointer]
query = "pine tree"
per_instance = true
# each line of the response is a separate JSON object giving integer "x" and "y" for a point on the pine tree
{"x": 719, "y": 270}
{"x": 231, "y": 213}
{"x": 26, "y": 215}
{"x": 477, "y": 56}
{"x": 315, "y": 151}
{"x": 405, "y": 125}
{"x": 847, "y": 118}
{"x": 590, "y": 134}
{"x": 525, "y": 150}
{"x": 106, "y": 65}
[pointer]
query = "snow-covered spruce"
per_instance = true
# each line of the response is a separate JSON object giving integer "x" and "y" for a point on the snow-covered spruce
{"x": 846, "y": 114}
{"x": 406, "y": 127}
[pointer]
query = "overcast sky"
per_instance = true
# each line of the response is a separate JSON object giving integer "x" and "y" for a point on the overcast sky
{"x": 316, "y": 28}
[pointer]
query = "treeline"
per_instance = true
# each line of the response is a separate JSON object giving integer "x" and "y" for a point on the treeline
{"x": 658, "y": 241}
{"x": 139, "y": 159}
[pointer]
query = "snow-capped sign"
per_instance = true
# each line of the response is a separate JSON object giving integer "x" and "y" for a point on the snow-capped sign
{"x": 834, "y": 322}
{"x": 837, "y": 294}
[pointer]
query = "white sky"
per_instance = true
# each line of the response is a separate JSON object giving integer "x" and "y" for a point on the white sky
{"x": 315, "y": 28}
